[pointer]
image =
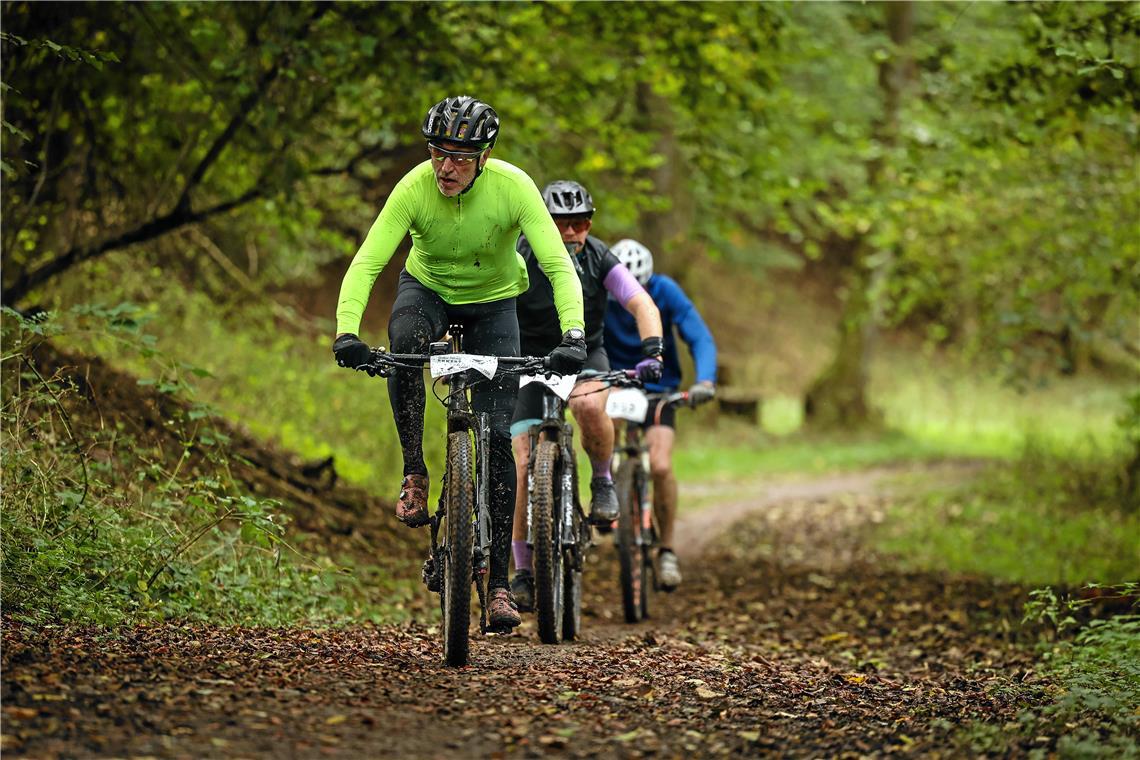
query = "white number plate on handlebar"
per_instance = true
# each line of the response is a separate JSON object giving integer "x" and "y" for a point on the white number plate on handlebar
{"x": 449, "y": 364}
{"x": 562, "y": 385}
{"x": 627, "y": 404}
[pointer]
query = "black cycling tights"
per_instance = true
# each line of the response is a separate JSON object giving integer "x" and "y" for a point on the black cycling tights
{"x": 419, "y": 317}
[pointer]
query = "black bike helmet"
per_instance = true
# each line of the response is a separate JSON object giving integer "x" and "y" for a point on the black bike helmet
{"x": 567, "y": 198}
{"x": 462, "y": 119}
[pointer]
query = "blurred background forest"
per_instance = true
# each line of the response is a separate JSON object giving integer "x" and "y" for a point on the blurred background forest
{"x": 912, "y": 228}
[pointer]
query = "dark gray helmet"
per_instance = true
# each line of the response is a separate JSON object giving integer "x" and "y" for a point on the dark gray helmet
{"x": 462, "y": 119}
{"x": 565, "y": 197}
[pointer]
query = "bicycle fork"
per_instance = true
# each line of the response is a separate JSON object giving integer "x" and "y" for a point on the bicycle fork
{"x": 482, "y": 513}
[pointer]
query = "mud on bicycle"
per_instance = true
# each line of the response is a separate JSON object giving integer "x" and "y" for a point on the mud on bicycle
{"x": 461, "y": 526}
{"x": 557, "y": 527}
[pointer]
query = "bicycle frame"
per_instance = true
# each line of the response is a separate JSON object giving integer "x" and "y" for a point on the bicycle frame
{"x": 554, "y": 427}
{"x": 634, "y": 447}
{"x": 637, "y": 528}
{"x": 469, "y": 435}
{"x": 556, "y": 525}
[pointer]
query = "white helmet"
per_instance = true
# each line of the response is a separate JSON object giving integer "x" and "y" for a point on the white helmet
{"x": 636, "y": 257}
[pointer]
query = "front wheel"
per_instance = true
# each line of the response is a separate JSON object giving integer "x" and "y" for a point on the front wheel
{"x": 648, "y": 580}
{"x": 548, "y": 565}
{"x": 572, "y": 605}
{"x": 459, "y": 508}
{"x": 629, "y": 552}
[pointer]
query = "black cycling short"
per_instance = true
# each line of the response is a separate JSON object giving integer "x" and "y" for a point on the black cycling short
{"x": 668, "y": 417}
{"x": 528, "y": 407}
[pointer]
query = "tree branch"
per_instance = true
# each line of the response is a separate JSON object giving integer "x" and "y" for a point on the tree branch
{"x": 241, "y": 116}
{"x": 150, "y": 230}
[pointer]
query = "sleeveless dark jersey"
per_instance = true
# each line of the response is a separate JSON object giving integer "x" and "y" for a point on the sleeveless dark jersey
{"x": 538, "y": 321}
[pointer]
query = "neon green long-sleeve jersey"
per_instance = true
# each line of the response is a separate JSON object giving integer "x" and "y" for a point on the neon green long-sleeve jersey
{"x": 463, "y": 248}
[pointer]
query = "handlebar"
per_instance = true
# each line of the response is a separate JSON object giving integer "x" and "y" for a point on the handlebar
{"x": 384, "y": 362}
{"x": 627, "y": 378}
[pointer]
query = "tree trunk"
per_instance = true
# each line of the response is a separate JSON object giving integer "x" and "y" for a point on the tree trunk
{"x": 838, "y": 397}
{"x": 661, "y": 231}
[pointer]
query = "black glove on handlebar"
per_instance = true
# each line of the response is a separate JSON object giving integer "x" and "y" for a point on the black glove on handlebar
{"x": 570, "y": 355}
{"x": 351, "y": 351}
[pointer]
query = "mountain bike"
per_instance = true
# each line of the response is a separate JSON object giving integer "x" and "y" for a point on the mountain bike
{"x": 636, "y": 536}
{"x": 461, "y": 525}
{"x": 556, "y": 525}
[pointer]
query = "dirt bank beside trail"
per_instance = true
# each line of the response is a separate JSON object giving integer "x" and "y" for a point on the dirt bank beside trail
{"x": 788, "y": 637}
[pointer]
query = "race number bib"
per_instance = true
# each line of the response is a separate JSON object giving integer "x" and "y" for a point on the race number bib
{"x": 449, "y": 364}
{"x": 560, "y": 384}
{"x": 627, "y": 404}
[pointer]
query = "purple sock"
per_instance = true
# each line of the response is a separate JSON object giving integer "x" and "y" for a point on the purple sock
{"x": 601, "y": 469}
{"x": 523, "y": 554}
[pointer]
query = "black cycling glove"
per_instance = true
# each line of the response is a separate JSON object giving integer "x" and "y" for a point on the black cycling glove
{"x": 570, "y": 355}
{"x": 351, "y": 351}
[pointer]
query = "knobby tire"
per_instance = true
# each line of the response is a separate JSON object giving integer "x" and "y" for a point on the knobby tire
{"x": 572, "y": 604}
{"x": 629, "y": 553}
{"x": 548, "y": 580}
{"x": 457, "y": 559}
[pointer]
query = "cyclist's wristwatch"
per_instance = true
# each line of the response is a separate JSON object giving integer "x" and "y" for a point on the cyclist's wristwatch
{"x": 575, "y": 333}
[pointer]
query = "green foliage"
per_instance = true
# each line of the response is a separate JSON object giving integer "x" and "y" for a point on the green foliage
{"x": 257, "y": 367}
{"x": 1097, "y": 672}
{"x": 988, "y": 201}
{"x": 104, "y": 523}
{"x": 1051, "y": 516}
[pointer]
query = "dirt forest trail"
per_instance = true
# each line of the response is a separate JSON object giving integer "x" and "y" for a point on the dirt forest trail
{"x": 787, "y": 638}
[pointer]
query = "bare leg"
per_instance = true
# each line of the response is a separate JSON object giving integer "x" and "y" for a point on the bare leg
{"x": 589, "y": 410}
{"x": 660, "y": 439}
{"x": 521, "y": 445}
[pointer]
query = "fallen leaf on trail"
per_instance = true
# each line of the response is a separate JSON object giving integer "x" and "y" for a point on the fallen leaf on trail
{"x": 704, "y": 693}
{"x": 749, "y": 736}
{"x": 334, "y": 720}
{"x": 21, "y": 712}
{"x": 628, "y": 736}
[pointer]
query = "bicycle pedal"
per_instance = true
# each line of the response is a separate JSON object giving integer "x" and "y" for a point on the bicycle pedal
{"x": 501, "y": 630}
{"x": 430, "y": 576}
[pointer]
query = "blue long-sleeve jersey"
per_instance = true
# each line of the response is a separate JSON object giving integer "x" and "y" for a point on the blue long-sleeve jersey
{"x": 623, "y": 343}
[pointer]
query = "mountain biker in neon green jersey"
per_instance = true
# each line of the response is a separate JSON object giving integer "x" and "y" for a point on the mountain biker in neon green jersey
{"x": 464, "y": 211}
{"x": 603, "y": 278}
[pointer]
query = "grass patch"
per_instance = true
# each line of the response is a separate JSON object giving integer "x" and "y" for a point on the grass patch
{"x": 283, "y": 386}
{"x": 1050, "y": 516}
{"x": 974, "y": 412}
{"x": 705, "y": 456}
